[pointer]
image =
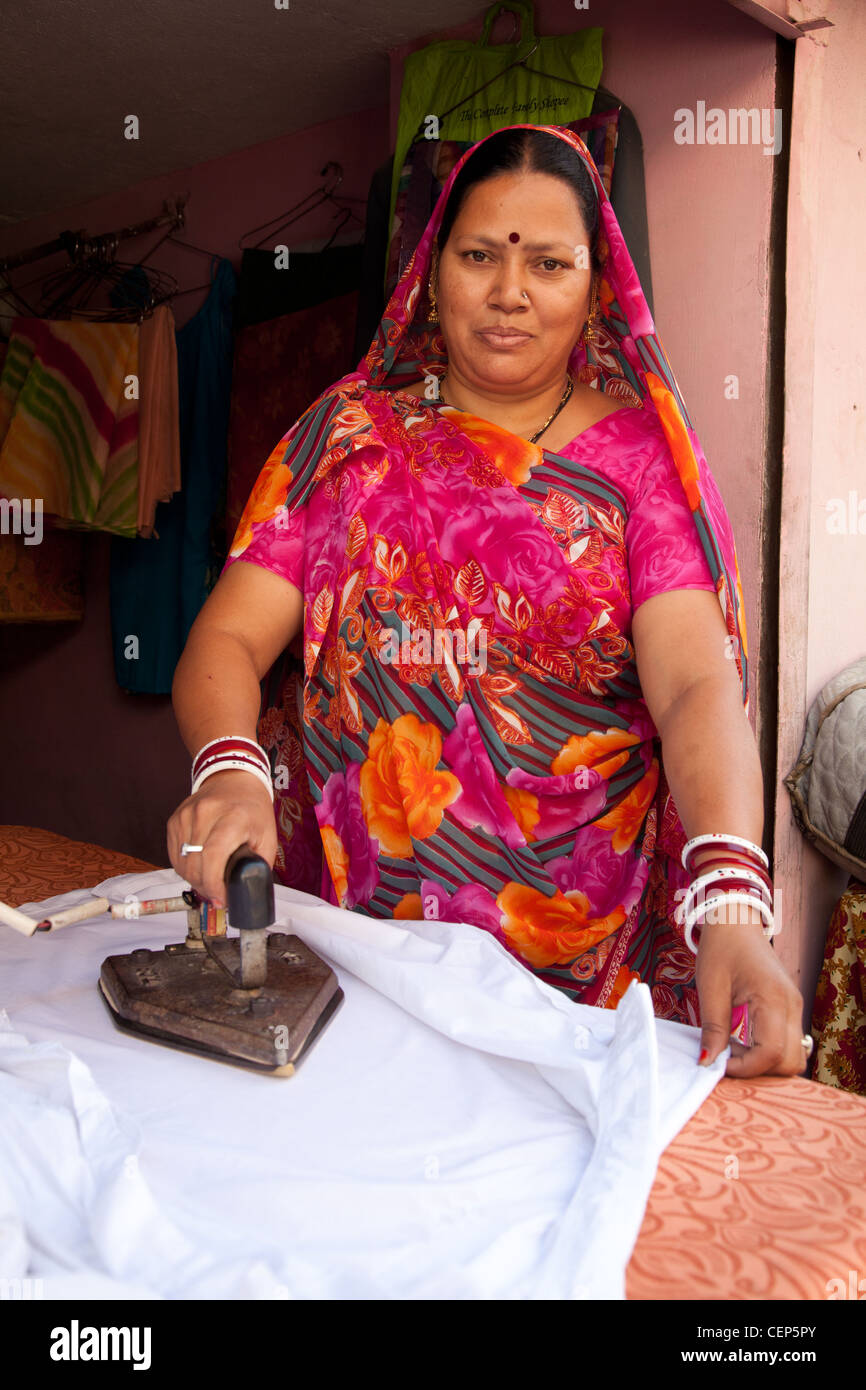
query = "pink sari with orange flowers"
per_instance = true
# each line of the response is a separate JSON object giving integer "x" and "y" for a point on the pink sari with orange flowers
{"x": 470, "y": 738}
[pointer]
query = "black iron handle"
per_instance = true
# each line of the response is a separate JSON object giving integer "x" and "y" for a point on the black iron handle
{"x": 250, "y": 902}
{"x": 249, "y": 890}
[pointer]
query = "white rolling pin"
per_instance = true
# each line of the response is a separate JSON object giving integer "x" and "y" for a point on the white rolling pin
{"x": 134, "y": 909}
{"x": 92, "y": 908}
{"x": 18, "y": 921}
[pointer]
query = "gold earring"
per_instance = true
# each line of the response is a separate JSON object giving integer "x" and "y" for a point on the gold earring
{"x": 589, "y": 328}
{"x": 431, "y": 293}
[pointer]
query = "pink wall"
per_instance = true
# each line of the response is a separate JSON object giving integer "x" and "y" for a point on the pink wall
{"x": 88, "y": 760}
{"x": 823, "y": 588}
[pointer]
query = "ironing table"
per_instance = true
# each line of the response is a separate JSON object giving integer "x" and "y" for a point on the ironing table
{"x": 760, "y": 1195}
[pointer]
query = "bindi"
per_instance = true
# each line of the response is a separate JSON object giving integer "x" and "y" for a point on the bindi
{"x": 513, "y": 236}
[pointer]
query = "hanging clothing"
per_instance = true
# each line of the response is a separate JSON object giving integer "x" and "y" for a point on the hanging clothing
{"x": 311, "y": 277}
{"x": 628, "y": 190}
{"x": 474, "y": 88}
{"x": 158, "y": 585}
{"x": 159, "y": 419}
{"x": 839, "y": 1013}
{"x": 40, "y": 582}
{"x": 525, "y": 794}
{"x": 278, "y": 367}
{"x": 294, "y": 337}
{"x": 371, "y": 295}
{"x": 69, "y": 421}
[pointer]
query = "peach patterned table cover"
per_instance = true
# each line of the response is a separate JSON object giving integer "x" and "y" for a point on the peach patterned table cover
{"x": 761, "y": 1196}
{"x": 37, "y": 864}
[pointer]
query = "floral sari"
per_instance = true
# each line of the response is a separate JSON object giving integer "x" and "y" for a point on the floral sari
{"x": 474, "y": 739}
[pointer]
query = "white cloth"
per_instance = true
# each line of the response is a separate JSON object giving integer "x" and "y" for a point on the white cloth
{"x": 460, "y": 1130}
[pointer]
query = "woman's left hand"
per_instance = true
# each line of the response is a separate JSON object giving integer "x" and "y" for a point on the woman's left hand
{"x": 737, "y": 965}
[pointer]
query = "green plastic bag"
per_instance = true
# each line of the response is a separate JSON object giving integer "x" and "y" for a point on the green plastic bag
{"x": 445, "y": 74}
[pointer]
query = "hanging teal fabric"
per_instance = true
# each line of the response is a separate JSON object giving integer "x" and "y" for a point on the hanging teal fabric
{"x": 158, "y": 585}
{"x": 556, "y": 86}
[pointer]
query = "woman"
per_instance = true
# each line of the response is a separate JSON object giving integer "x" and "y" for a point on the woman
{"x": 470, "y": 479}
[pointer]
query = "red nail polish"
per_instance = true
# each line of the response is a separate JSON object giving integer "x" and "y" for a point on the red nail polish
{"x": 703, "y": 1057}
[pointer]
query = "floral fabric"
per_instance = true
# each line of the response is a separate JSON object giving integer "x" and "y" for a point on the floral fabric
{"x": 839, "y": 1014}
{"x": 474, "y": 738}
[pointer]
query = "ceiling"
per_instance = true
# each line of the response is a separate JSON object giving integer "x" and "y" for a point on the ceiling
{"x": 204, "y": 77}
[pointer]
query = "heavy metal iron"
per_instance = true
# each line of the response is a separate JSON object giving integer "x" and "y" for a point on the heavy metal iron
{"x": 258, "y": 1000}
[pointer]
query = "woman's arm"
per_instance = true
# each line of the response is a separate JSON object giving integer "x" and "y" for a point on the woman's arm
{"x": 248, "y": 620}
{"x": 691, "y": 687}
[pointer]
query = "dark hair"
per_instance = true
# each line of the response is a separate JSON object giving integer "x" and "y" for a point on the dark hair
{"x": 530, "y": 151}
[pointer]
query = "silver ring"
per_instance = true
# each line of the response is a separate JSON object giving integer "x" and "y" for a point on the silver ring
{"x": 808, "y": 1042}
{"x": 191, "y": 849}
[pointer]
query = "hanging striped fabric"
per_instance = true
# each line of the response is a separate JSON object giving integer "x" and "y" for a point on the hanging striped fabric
{"x": 69, "y": 421}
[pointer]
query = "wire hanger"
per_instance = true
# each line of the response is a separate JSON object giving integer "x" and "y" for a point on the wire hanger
{"x": 213, "y": 255}
{"x": 93, "y": 265}
{"x": 322, "y": 195}
{"x": 344, "y": 217}
{"x": 554, "y": 77}
{"x": 188, "y": 246}
{"x": 185, "y": 246}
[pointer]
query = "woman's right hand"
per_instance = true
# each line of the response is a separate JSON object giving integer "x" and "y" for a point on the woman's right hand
{"x": 230, "y": 809}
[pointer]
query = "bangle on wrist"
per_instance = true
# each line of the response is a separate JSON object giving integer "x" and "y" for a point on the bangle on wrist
{"x": 745, "y": 899}
{"x": 235, "y": 745}
{"x": 233, "y": 752}
{"x": 722, "y": 880}
{"x": 729, "y": 868}
{"x": 721, "y": 841}
{"x": 230, "y": 765}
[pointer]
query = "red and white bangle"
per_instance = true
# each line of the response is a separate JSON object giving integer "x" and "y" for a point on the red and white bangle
{"x": 231, "y": 754}
{"x": 734, "y": 870}
{"x": 725, "y": 842}
{"x": 233, "y": 744}
{"x": 733, "y": 878}
{"x": 753, "y": 874}
{"x": 238, "y": 755}
{"x": 747, "y": 899}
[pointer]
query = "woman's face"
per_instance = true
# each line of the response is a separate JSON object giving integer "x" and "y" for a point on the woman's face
{"x": 537, "y": 288}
